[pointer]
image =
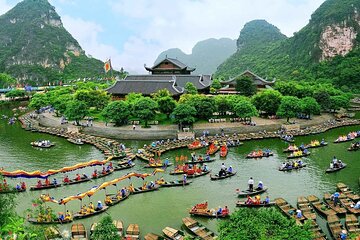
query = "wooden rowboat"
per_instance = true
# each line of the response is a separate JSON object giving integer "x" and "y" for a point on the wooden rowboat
{"x": 78, "y": 215}
{"x": 73, "y": 181}
{"x": 288, "y": 210}
{"x": 292, "y": 156}
{"x": 223, "y": 151}
{"x": 132, "y": 232}
{"x": 173, "y": 233}
{"x": 156, "y": 165}
{"x": 213, "y": 149}
{"x": 12, "y": 190}
{"x": 198, "y": 229}
{"x": 123, "y": 166}
{"x": 78, "y": 231}
{"x": 36, "y": 144}
{"x": 318, "y": 234}
{"x": 140, "y": 190}
{"x": 287, "y": 140}
{"x": 321, "y": 207}
{"x": 243, "y": 204}
{"x": 51, "y": 185}
{"x": 335, "y": 225}
{"x": 115, "y": 200}
{"x": 216, "y": 176}
{"x": 175, "y": 183}
{"x": 247, "y": 192}
{"x": 268, "y": 154}
{"x": 330, "y": 170}
{"x": 195, "y": 145}
{"x": 293, "y": 168}
{"x": 307, "y": 210}
{"x": 202, "y": 161}
{"x": 153, "y": 236}
{"x": 352, "y": 224}
{"x": 348, "y": 204}
{"x": 119, "y": 226}
{"x": 35, "y": 221}
{"x": 342, "y": 141}
{"x": 195, "y": 175}
{"x": 316, "y": 146}
{"x": 178, "y": 172}
{"x": 347, "y": 192}
{"x": 100, "y": 175}
{"x": 74, "y": 141}
{"x": 207, "y": 213}
{"x": 340, "y": 210}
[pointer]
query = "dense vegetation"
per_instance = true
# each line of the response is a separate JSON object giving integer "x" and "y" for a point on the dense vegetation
{"x": 298, "y": 58}
{"x": 35, "y": 48}
{"x": 206, "y": 55}
{"x": 262, "y": 224}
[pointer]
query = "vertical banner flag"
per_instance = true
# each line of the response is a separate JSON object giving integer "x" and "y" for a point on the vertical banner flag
{"x": 107, "y": 66}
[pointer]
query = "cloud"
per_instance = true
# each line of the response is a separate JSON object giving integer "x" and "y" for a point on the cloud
{"x": 159, "y": 25}
{"x": 4, "y": 6}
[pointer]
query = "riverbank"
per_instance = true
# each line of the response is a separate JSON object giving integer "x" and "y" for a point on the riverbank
{"x": 171, "y": 131}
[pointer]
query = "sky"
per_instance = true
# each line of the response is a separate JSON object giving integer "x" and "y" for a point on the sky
{"x": 134, "y": 32}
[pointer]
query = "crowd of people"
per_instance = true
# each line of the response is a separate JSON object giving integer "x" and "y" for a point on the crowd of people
{"x": 336, "y": 163}
{"x": 292, "y": 164}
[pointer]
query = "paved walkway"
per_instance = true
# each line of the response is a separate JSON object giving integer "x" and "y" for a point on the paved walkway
{"x": 170, "y": 131}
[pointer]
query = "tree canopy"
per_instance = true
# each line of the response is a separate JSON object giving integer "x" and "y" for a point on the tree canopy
{"x": 117, "y": 111}
{"x": 267, "y": 101}
{"x": 76, "y": 110}
{"x": 38, "y": 101}
{"x": 105, "y": 230}
{"x": 309, "y": 106}
{"x": 184, "y": 114}
{"x": 289, "y": 107}
{"x": 245, "y": 86}
{"x": 245, "y": 109}
{"x": 190, "y": 88}
{"x": 144, "y": 109}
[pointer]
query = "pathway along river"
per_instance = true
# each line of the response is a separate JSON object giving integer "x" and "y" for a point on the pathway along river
{"x": 155, "y": 210}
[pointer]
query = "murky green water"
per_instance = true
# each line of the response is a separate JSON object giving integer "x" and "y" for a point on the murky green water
{"x": 155, "y": 210}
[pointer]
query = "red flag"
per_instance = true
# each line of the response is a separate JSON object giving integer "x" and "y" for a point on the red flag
{"x": 107, "y": 66}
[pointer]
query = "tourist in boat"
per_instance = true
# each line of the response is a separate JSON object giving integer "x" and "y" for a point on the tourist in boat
{"x": 193, "y": 157}
{"x": 66, "y": 179}
{"x": 257, "y": 200}
{"x": 94, "y": 175}
{"x": 340, "y": 164}
{"x": 267, "y": 200}
{"x": 78, "y": 177}
{"x": 251, "y": 184}
{"x": 205, "y": 168}
{"x": 151, "y": 185}
{"x": 184, "y": 179}
{"x": 299, "y": 213}
{"x": 91, "y": 208}
{"x": 230, "y": 170}
{"x": 225, "y": 211}
{"x": 283, "y": 165}
{"x": 61, "y": 217}
{"x": 83, "y": 209}
{"x": 219, "y": 211}
{"x": 103, "y": 171}
{"x": 23, "y": 185}
{"x": 300, "y": 163}
{"x": 343, "y": 235}
{"x": 54, "y": 182}
{"x": 39, "y": 184}
{"x": 200, "y": 158}
{"x": 357, "y": 205}
{"x": 108, "y": 168}
{"x": 123, "y": 192}
{"x": 99, "y": 206}
{"x": 335, "y": 198}
{"x": 68, "y": 216}
{"x": 5, "y": 184}
{"x": 108, "y": 200}
{"x": 47, "y": 182}
{"x": 207, "y": 157}
{"x": 322, "y": 142}
{"x": 84, "y": 176}
{"x": 166, "y": 162}
{"x": 249, "y": 200}
{"x": 18, "y": 187}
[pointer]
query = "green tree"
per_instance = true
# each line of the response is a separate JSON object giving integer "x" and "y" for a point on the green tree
{"x": 309, "y": 106}
{"x": 262, "y": 224}
{"x": 205, "y": 107}
{"x": 100, "y": 99}
{"x": 337, "y": 102}
{"x": 267, "y": 101}
{"x": 105, "y": 230}
{"x": 76, "y": 110}
{"x": 117, "y": 111}
{"x": 216, "y": 84}
{"x": 6, "y": 80}
{"x": 145, "y": 109}
{"x": 323, "y": 98}
{"x": 289, "y": 107}
{"x": 132, "y": 98}
{"x": 38, "y": 101}
{"x": 15, "y": 93}
{"x": 245, "y": 109}
{"x": 160, "y": 94}
{"x": 190, "y": 88}
{"x": 61, "y": 102}
{"x": 184, "y": 114}
{"x": 222, "y": 104}
{"x": 166, "y": 105}
{"x": 245, "y": 86}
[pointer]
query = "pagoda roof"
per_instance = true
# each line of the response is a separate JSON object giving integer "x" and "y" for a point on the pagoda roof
{"x": 257, "y": 79}
{"x": 174, "y": 61}
{"x": 146, "y": 87}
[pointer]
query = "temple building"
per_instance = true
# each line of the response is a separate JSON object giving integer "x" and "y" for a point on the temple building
{"x": 170, "y": 74}
{"x": 229, "y": 85}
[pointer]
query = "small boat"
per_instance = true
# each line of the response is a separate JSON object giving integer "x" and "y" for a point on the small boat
{"x": 223, "y": 151}
{"x": 115, "y": 200}
{"x": 307, "y": 210}
{"x": 335, "y": 225}
{"x": 153, "y": 236}
{"x": 348, "y": 204}
{"x": 289, "y": 140}
{"x": 12, "y": 190}
{"x": 330, "y": 170}
{"x": 173, "y": 233}
{"x": 354, "y": 147}
{"x": 244, "y": 204}
{"x": 217, "y": 177}
{"x": 294, "y": 155}
{"x": 78, "y": 231}
{"x": 286, "y": 169}
{"x": 40, "y": 144}
{"x": 340, "y": 210}
{"x": 52, "y": 233}
{"x": 291, "y": 148}
{"x": 156, "y": 165}
{"x": 144, "y": 157}
{"x": 176, "y": 172}
{"x": 201, "y": 161}
{"x": 352, "y": 224}
{"x": 51, "y": 185}
{"x": 120, "y": 227}
{"x": 198, "y": 229}
{"x": 207, "y": 213}
{"x": 132, "y": 232}
{"x": 76, "y": 141}
{"x": 316, "y": 145}
{"x": 78, "y": 215}
{"x": 343, "y": 140}
{"x": 317, "y": 231}
{"x": 175, "y": 183}
{"x": 213, "y": 149}
{"x": 347, "y": 192}
{"x": 263, "y": 154}
{"x": 195, "y": 175}
{"x": 195, "y": 145}
{"x": 56, "y": 221}
{"x": 288, "y": 210}
{"x": 100, "y": 175}
{"x": 140, "y": 190}
{"x": 74, "y": 181}
{"x": 321, "y": 207}
{"x": 247, "y": 192}
{"x": 120, "y": 167}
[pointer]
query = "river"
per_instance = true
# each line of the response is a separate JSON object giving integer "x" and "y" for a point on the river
{"x": 155, "y": 210}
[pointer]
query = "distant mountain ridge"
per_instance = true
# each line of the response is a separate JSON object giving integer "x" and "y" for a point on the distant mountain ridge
{"x": 206, "y": 55}
{"x": 326, "y": 49}
{"x": 35, "y": 47}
